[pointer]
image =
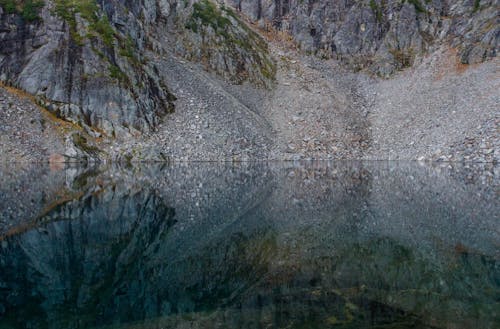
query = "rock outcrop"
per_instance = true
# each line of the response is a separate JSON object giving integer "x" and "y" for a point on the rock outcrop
{"x": 243, "y": 91}
{"x": 82, "y": 67}
{"x": 382, "y": 35}
{"x": 88, "y": 62}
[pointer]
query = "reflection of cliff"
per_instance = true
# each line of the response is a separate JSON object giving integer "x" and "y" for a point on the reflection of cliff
{"x": 112, "y": 253}
{"x": 71, "y": 266}
{"x": 259, "y": 246}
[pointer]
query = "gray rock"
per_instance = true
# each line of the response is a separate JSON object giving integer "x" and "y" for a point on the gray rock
{"x": 94, "y": 71}
{"x": 93, "y": 81}
{"x": 382, "y": 35}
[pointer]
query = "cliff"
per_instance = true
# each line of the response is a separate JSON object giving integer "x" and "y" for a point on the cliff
{"x": 382, "y": 35}
{"x": 89, "y": 61}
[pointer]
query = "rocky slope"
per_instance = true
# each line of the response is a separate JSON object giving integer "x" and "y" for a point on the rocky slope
{"x": 31, "y": 133}
{"x": 382, "y": 35}
{"x": 276, "y": 80}
{"x": 86, "y": 60}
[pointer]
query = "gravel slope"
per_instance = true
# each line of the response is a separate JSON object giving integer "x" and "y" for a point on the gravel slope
{"x": 438, "y": 110}
{"x": 26, "y": 132}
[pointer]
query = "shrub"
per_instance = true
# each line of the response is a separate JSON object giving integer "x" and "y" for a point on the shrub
{"x": 418, "y": 6}
{"x": 477, "y": 3}
{"x": 9, "y": 6}
{"x": 28, "y": 9}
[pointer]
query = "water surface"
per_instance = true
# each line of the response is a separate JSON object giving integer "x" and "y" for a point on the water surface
{"x": 283, "y": 245}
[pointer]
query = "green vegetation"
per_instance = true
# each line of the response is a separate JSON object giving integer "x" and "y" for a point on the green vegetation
{"x": 9, "y": 6}
{"x": 477, "y": 4}
{"x": 268, "y": 70}
{"x": 99, "y": 27}
{"x": 206, "y": 13}
{"x": 87, "y": 9}
{"x": 82, "y": 143}
{"x": 231, "y": 36}
{"x": 66, "y": 9}
{"x": 28, "y": 9}
{"x": 377, "y": 10}
{"x": 116, "y": 73}
{"x": 104, "y": 29}
{"x": 127, "y": 46}
{"x": 418, "y": 6}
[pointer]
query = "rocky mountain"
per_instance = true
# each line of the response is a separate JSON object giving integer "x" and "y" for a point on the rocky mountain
{"x": 87, "y": 61}
{"x": 252, "y": 79}
{"x": 382, "y": 35}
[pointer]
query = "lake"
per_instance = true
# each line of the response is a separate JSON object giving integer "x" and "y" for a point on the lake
{"x": 250, "y": 245}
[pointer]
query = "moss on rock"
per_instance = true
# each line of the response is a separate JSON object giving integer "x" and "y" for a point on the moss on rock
{"x": 225, "y": 36}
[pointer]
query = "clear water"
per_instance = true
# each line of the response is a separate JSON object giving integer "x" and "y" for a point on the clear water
{"x": 283, "y": 245}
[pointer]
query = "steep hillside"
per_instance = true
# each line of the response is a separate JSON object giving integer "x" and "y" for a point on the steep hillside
{"x": 382, "y": 35}
{"x": 86, "y": 60}
{"x": 254, "y": 80}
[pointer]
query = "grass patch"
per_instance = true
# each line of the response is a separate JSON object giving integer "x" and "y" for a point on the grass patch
{"x": 116, "y": 73}
{"x": 104, "y": 29}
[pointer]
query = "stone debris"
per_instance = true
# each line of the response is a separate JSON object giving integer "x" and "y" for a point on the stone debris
{"x": 432, "y": 109}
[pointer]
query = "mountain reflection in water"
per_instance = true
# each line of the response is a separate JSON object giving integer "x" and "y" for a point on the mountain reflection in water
{"x": 284, "y": 245}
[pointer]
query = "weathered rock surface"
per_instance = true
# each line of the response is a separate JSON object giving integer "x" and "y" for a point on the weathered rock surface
{"x": 29, "y": 133}
{"x": 240, "y": 97}
{"x": 85, "y": 74}
{"x": 382, "y": 35}
{"x": 87, "y": 61}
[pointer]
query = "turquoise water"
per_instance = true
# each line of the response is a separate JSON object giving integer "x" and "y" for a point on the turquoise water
{"x": 279, "y": 245}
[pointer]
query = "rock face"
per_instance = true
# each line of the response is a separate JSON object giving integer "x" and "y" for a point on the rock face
{"x": 115, "y": 69}
{"x": 28, "y": 133}
{"x": 82, "y": 67}
{"x": 88, "y": 61}
{"x": 211, "y": 33}
{"x": 382, "y": 35}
